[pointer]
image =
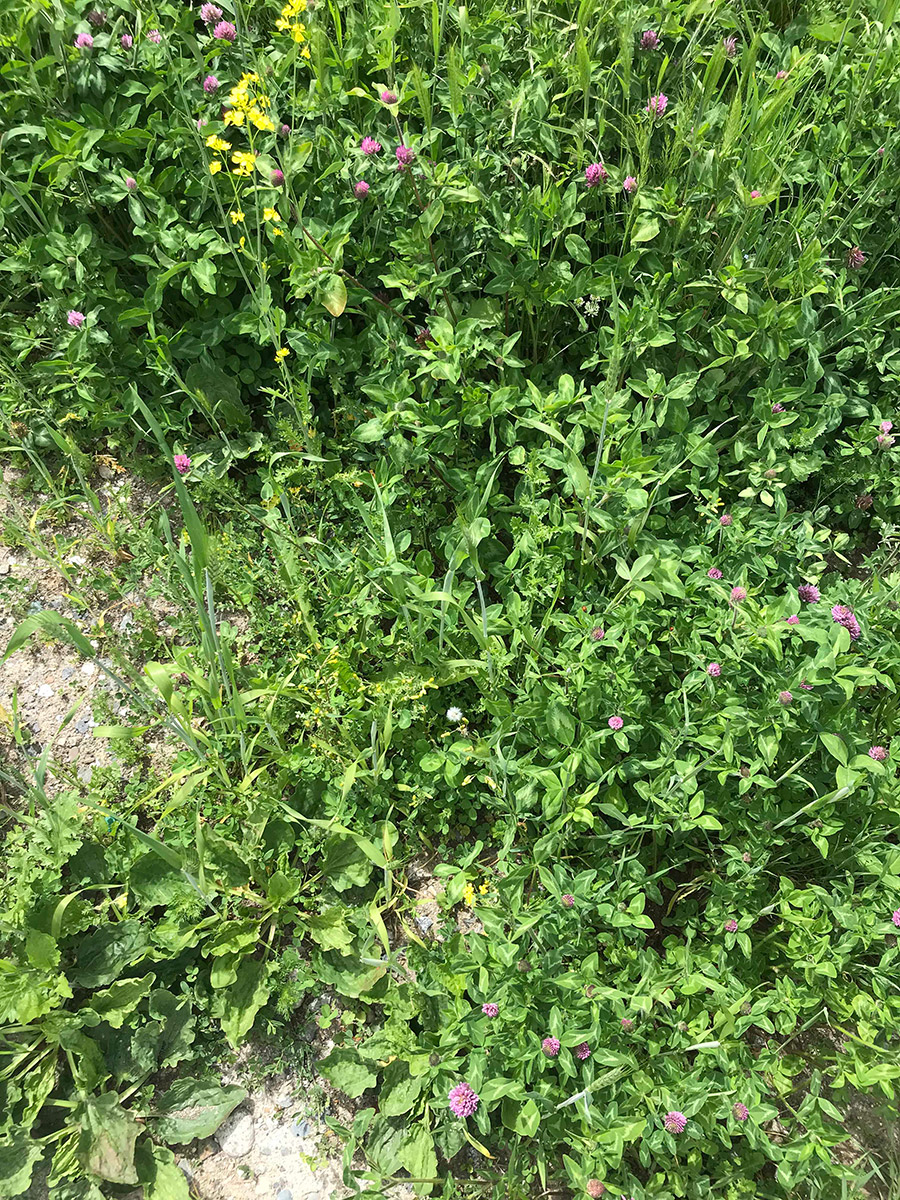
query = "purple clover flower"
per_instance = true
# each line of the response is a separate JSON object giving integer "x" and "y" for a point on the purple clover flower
{"x": 649, "y": 39}
{"x": 225, "y": 32}
{"x": 675, "y": 1122}
{"x": 595, "y": 173}
{"x": 726, "y": 519}
{"x": 490, "y": 1009}
{"x": 714, "y": 669}
{"x": 84, "y": 41}
{"x": 598, "y": 633}
{"x": 568, "y": 900}
{"x": 844, "y": 616}
{"x": 615, "y": 723}
{"x": 630, "y": 184}
{"x": 361, "y": 189}
{"x": 879, "y": 753}
{"x": 550, "y": 1046}
{"x": 75, "y": 318}
{"x": 369, "y": 146}
{"x": 181, "y": 463}
{"x": 404, "y": 156}
{"x": 731, "y": 925}
{"x": 463, "y": 1101}
{"x": 714, "y": 573}
{"x": 210, "y": 85}
{"x": 741, "y": 1111}
{"x": 583, "y": 1051}
{"x": 809, "y": 593}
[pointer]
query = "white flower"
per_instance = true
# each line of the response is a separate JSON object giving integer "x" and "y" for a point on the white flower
{"x": 454, "y": 715}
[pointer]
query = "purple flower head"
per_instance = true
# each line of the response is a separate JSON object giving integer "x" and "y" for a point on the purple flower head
{"x": 583, "y": 1051}
{"x": 785, "y": 698}
{"x": 201, "y": 121}
{"x": 649, "y": 39}
{"x": 807, "y": 687}
{"x": 627, "y": 1023}
{"x": 388, "y": 97}
{"x": 809, "y": 593}
{"x": 463, "y": 1100}
{"x": 369, "y": 146}
{"x": 210, "y": 13}
{"x": 361, "y": 190}
{"x": 878, "y": 753}
{"x": 284, "y": 130}
{"x": 755, "y": 195}
{"x": 154, "y": 36}
{"x": 726, "y": 519}
{"x": 568, "y": 900}
{"x": 75, "y": 318}
{"x": 277, "y": 177}
{"x": 741, "y": 1111}
{"x": 729, "y": 44}
{"x": 657, "y": 105}
{"x": 855, "y": 258}
{"x": 96, "y": 17}
{"x": 844, "y": 616}
{"x": 595, "y": 1189}
{"x": 738, "y": 594}
{"x": 884, "y": 441}
{"x": 181, "y": 463}
{"x": 793, "y": 619}
{"x": 630, "y": 184}
{"x": 210, "y": 85}
{"x": 731, "y": 925}
{"x": 84, "y": 41}
{"x": 714, "y": 669}
{"x": 714, "y": 573}
{"x": 675, "y": 1122}
{"x": 490, "y": 1010}
{"x": 225, "y": 31}
{"x": 598, "y": 633}
{"x": 865, "y": 501}
{"x": 777, "y": 408}
{"x": 131, "y": 183}
{"x": 880, "y": 151}
{"x": 895, "y": 917}
{"x": 886, "y": 426}
{"x": 615, "y": 723}
{"x": 404, "y": 157}
{"x": 550, "y": 1046}
{"x": 779, "y": 75}
{"x": 595, "y": 173}
{"x": 126, "y": 41}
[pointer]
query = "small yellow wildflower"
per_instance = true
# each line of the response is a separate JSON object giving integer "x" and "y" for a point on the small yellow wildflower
{"x": 215, "y": 167}
{"x": 469, "y": 896}
{"x": 270, "y": 214}
{"x": 276, "y": 232}
{"x": 245, "y": 162}
{"x": 484, "y": 889}
{"x": 236, "y": 217}
{"x": 234, "y": 116}
{"x": 281, "y": 355}
{"x": 216, "y": 143}
{"x": 242, "y": 242}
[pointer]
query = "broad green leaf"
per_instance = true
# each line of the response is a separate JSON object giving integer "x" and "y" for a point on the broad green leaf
{"x": 237, "y": 1006}
{"x": 398, "y": 1091}
{"x": 191, "y": 1109}
{"x": 348, "y": 1072}
{"x": 114, "y": 1003}
{"x": 645, "y": 229}
{"x": 106, "y": 1142}
{"x": 18, "y": 1155}
{"x": 334, "y": 295}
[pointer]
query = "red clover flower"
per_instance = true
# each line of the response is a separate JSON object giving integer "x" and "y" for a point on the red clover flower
{"x": 210, "y": 85}
{"x": 361, "y": 189}
{"x": 844, "y": 616}
{"x": 726, "y": 519}
{"x": 878, "y": 753}
{"x": 210, "y": 13}
{"x": 741, "y": 1111}
{"x": 126, "y": 41}
{"x": 714, "y": 573}
{"x": 630, "y": 184}
{"x": 84, "y": 41}
{"x": 277, "y": 177}
{"x": 388, "y": 97}
{"x": 895, "y": 917}
{"x": 595, "y": 1189}
{"x": 675, "y": 1122}
{"x": 738, "y": 594}
{"x": 583, "y": 1051}
{"x": 809, "y": 593}
{"x": 369, "y": 146}
{"x": 595, "y": 173}
{"x": 155, "y": 37}
{"x": 649, "y": 40}
{"x": 75, "y": 318}
{"x": 598, "y": 633}
{"x": 855, "y": 258}
{"x": 568, "y": 900}
{"x": 793, "y": 619}
{"x": 657, "y": 105}
{"x": 731, "y": 925}
{"x": 404, "y": 157}
{"x": 785, "y": 698}
{"x": 225, "y": 31}
{"x": 463, "y": 1101}
{"x": 550, "y": 1046}
{"x": 181, "y": 463}
{"x": 714, "y": 669}
{"x": 615, "y": 723}
{"x": 491, "y": 1009}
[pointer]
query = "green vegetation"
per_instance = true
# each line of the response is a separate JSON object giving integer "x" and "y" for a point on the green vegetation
{"x": 524, "y": 522}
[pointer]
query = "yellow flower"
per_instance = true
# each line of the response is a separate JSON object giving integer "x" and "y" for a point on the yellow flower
{"x": 245, "y": 162}
{"x": 281, "y": 355}
{"x": 469, "y": 895}
{"x": 269, "y": 214}
{"x": 241, "y": 242}
{"x": 484, "y": 889}
{"x": 298, "y": 32}
{"x": 215, "y": 167}
{"x": 234, "y": 116}
{"x": 260, "y": 120}
{"x": 236, "y": 216}
{"x": 216, "y": 143}
{"x": 276, "y": 232}
{"x": 304, "y": 53}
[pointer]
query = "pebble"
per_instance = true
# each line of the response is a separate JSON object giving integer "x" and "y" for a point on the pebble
{"x": 301, "y": 1129}
{"x": 45, "y": 691}
{"x": 88, "y": 668}
{"x": 67, "y": 672}
{"x": 285, "y": 1194}
{"x": 185, "y": 1168}
{"x": 4, "y": 568}
{"x": 424, "y": 923}
{"x": 235, "y": 1135}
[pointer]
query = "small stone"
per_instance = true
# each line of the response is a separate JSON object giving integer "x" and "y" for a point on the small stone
{"x": 235, "y": 1135}
{"x": 185, "y": 1168}
{"x": 4, "y": 568}
{"x": 301, "y": 1129}
{"x": 285, "y": 1194}
{"x": 85, "y": 773}
{"x": 88, "y": 668}
{"x": 67, "y": 672}
{"x": 424, "y": 923}
{"x": 45, "y": 691}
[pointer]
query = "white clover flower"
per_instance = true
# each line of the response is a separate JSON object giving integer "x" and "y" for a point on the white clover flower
{"x": 454, "y": 715}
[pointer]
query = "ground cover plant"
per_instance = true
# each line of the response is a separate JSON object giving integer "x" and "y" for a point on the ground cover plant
{"x": 512, "y": 389}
